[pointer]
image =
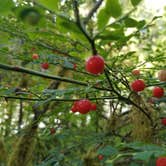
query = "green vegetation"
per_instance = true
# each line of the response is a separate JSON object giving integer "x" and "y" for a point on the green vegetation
{"x": 81, "y": 83}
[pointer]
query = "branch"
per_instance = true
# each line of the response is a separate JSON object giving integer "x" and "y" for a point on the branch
{"x": 127, "y": 100}
{"x": 55, "y": 99}
{"x": 92, "y": 11}
{"x": 82, "y": 27}
{"x": 40, "y": 74}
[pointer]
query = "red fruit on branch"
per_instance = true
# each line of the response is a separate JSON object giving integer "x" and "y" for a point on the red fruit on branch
{"x": 35, "y": 56}
{"x": 158, "y": 92}
{"x": 161, "y": 161}
{"x": 45, "y": 66}
{"x": 83, "y": 106}
{"x": 75, "y": 107}
{"x": 163, "y": 121}
{"x": 93, "y": 106}
{"x": 100, "y": 157}
{"x": 52, "y": 131}
{"x": 138, "y": 85}
{"x": 74, "y": 66}
{"x": 136, "y": 72}
{"x": 95, "y": 64}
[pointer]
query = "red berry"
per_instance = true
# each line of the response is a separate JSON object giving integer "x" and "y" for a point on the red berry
{"x": 35, "y": 56}
{"x": 74, "y": 66}
{"x": 136, "y": 72}
{"x": 138, "y": 85}
{"x": 52, "y": 131}
{"x": 84, "y": 106}
{"x": 75, "y": 107}
{"x": 33, "y": 49}
{"x": 93, "y": 106}
{"x": 100, "y": 157}
{"x": 161, "y": 161}
{"x": 45, "y": 65}
{"x": 163, "y": 121}
{"x": 95, "y": 64}
{"x": 158, "y": 92}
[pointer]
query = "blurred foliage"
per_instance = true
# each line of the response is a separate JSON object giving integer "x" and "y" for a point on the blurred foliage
{"x": 127, "y": 39}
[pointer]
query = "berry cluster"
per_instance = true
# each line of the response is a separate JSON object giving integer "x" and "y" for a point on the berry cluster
{"x": 83, "y": 106}
{"x": 139, "y": 85}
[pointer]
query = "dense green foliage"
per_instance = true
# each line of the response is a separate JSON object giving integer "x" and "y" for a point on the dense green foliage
{"x": 38, "y": 127}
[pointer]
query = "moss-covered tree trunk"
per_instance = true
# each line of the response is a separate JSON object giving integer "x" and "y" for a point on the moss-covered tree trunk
{"x": 22, "y": 154}
{"x": 141, "y": 125}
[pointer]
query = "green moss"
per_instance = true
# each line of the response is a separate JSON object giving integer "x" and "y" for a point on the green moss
{"x": 3, "y": 153}
{"x": 23, "y": 151}
{"x": 141, "y": 127}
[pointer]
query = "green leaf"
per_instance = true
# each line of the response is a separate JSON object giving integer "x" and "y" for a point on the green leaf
{"x": 68, "y": 64}
{"x": 112, "y": 9}
{"x": 140, "y": 24}
{"x": 112, "y": 35}
{"x": 103, "y": 18}
{"x": 50, "y": 4}
{"x": 6, "y": 6}
{"x": 108, "y": 150}
{"x": 135, "y": 2}
{"x": 143, "y": 155}
{"x": 144, "y": 147}
{"x": 130, "y": 22}
{"x": 134, "y": 164}
{"x": 66, "y": 25}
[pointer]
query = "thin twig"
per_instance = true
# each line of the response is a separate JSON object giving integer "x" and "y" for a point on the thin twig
{"x": 92, "y": 11}
{"x": 82, "y": 27}
{"x": 55, "y": 99}
{"x": 40, "y": 74}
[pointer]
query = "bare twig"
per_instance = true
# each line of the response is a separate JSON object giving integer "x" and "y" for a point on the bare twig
{"x": 82, "y": 27}
{"x": 40, "y": 74}
{"x": 92, "y": 11}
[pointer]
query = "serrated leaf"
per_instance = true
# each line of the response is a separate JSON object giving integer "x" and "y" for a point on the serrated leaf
{"x": 135, "y": 2}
